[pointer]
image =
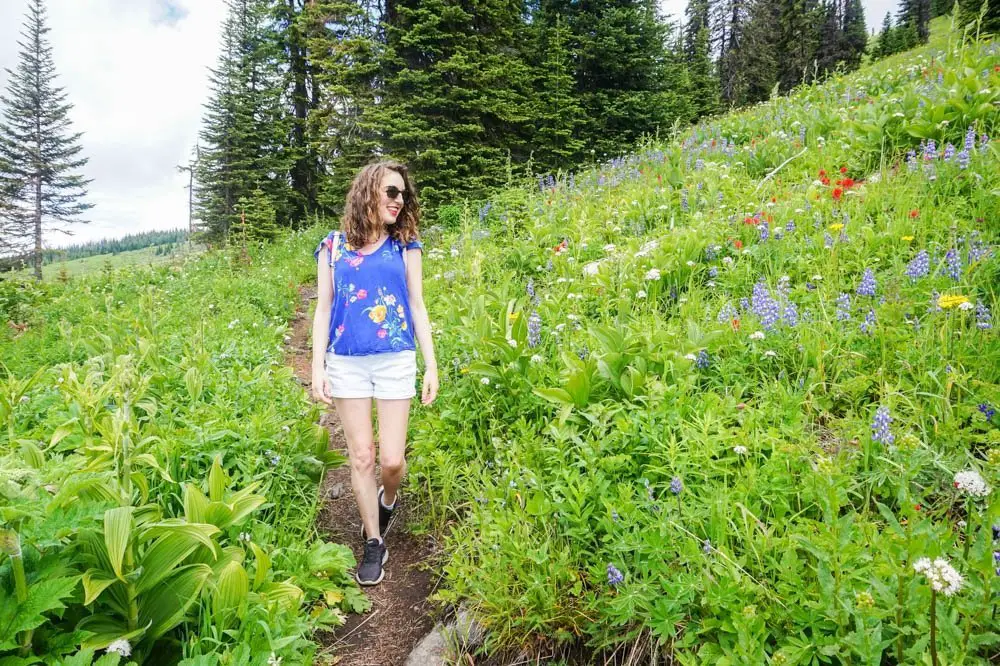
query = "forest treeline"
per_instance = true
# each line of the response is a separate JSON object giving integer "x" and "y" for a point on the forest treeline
{"x": 474, "y": 93}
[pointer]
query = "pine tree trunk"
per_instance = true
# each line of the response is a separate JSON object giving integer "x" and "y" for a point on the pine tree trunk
{"x": 38, "y": 227}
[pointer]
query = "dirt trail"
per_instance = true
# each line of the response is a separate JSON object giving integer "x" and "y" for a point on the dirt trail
{"x": 400, "y": 614}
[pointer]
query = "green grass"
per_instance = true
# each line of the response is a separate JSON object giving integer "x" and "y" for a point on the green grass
{"x": 145, "y": 257}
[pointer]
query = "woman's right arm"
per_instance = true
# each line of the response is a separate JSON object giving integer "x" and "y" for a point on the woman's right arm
{"x": 321, "y": 327}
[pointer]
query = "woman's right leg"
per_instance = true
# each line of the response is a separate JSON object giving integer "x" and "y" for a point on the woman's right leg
{"x": 356, "y": 415}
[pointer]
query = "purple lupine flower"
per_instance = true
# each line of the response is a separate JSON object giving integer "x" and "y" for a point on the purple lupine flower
{"x": 970, "y": 139}
{"x": 810, "y": 286}
{"x": 702, "y": 361}
{"x": 684, "y": 200}
{"x": 949, "y": 151}
{"x": 699, "y": 164}
{"x": 727, "y": 313}
{"x": 843, "y": 307}
{"x": 583, "y": 352}
{"x": 791, "y": 315}
{"x": 789, "y": 227}
{"x": 534, "y": 329}
{"x": 868, "y": 325}
{"x": 827, "y": 241}
{"x": 531, "y": 287}
{"x": 953, "y": 264}
{"x": 984, "y": 319}
{"x": 930, "y": 150}
{"x": 615, "y": 577}
{"x": 977, "y": 248}
{"x": 987, "y": 411}
{"x": 706, "y": 547}
{"x": 676, "y": 485}
{"x": 764, "y": 231}
{"x": 867, "y": 286}
{"x": 983, "y": 141}
{"x": 710, "y": 252}
{"x": 911, "y": 160}
{"x": 880, "y": 426}
{"x": 919, "y": 266}
{"x": 764, "y": 306}
{"x": 744, "y": 304}
{"x": 713, "y": 272}
{"x": 996, "y": 532}
{"x": 963, "y": 159}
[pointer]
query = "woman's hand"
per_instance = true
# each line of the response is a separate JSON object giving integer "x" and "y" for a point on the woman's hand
{"x": 320, "y": 392}
{"x": 430, "y": 388}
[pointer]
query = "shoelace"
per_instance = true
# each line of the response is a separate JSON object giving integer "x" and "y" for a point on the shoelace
{"x": 371, "y": 552}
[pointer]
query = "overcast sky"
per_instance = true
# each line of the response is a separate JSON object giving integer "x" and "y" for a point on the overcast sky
{"x": 136, "y": 72}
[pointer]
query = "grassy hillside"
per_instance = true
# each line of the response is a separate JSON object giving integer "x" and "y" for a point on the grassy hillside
{"x": 144, "y": 257}
{"x": 718, "y": 400}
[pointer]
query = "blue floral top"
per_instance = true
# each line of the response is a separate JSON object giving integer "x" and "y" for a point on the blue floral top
{"x": 371, "y": 307}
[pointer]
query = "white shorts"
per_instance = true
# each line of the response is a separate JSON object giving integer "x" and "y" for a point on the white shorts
{"x": 385, "y": 376}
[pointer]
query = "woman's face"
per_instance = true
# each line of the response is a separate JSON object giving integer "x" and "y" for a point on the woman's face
{"x": 389, "y": 209}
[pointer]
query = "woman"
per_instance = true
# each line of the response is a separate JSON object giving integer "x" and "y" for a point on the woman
{"x": 369, "y": 309}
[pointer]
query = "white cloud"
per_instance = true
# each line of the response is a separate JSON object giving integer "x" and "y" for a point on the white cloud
{"x": 136, "y": 72}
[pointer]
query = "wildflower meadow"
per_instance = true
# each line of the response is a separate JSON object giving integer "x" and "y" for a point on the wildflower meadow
{"x": 730, "y": 400}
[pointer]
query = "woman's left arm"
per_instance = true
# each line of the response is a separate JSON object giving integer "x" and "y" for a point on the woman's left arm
{"x": 421, "y": 323}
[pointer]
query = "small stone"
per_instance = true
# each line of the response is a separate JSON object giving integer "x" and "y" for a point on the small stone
{"x": 336, "y": 491}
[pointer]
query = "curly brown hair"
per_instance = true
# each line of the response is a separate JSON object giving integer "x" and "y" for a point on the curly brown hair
{"x": 360, "y": 222}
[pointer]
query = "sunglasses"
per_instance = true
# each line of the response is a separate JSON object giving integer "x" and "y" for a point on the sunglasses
{"x": 392, "y": 192}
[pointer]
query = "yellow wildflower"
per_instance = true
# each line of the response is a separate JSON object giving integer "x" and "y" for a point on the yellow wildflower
{"x": 513, "y": 316}
{"x": 907, "y": 238}
{"x": 836, "y": 227}
{"x": 945, "y": 301}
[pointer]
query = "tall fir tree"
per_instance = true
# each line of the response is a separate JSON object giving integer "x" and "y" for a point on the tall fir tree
{"x": 883, "y": 45}
{"x": 855, "y": 34}
{"x": 626, "y": 76}
{"x": 984, "y": 19}
{"x": 703, "y": 83}
{"x": 798, "y": 27}
{"x": 456, "y": 94}
{"x": 557, "y": 139}
{"x": 343, "y": 43}
{"x": 756, "y": 61}
{"x": 918, "y": 14}
{"x": 247, "y": 127}
{"x": 39, "y": 156}
{"x": 729, "y": 19}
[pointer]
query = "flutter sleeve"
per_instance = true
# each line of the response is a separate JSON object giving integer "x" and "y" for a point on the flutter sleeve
{"x": 328, "y": 244}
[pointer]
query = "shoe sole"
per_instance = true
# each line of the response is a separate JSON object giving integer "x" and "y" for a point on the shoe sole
{"x": 385, "y": 558}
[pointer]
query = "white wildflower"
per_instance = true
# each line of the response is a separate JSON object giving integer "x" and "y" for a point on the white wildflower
{"x": 966, "y": 306}
{"x": 561, "y": 280}
{"x": 940, "y": 574}
{"x": 757, "y": 335}
{"x": 485, "y": 381}
{"x": 610, "y": 247}
{"x": 653, "y": 274}
{"x": 512, "y": 342}
{"x": 591, "y": 268}
{"x": 536, "y": 358}
{"x": 121, "y": 647}
{"x": 690, "y": 357}
{"x": 770, "y": 354}
{"x": 691, "y": 264}
{"x": 727, "y": 261}
{"x": 572, "y": 317}
{"x": 641, "y": 293}
{"x": 971, "y": 483}
{"x": 740, "y": 450}
{"x": 710, "y": 283}
{"x": 274, "y": 660}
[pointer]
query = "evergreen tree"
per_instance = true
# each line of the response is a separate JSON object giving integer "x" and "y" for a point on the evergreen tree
{"x": 755, "y": 62}
{"x": 39, "y": 157}
{"x": 798, "y": 41}
{"x": 941, "y": 7}
{"x": 855, "y": 34}
{"x": 729, "y": 20}
{"x": 456, "y": 94}
{"x": 970, "y": 11}
{"x": 246, "y": 129}
{"x": 917, "y": 13}
{"x": 342, "y": 40}
{"x": 883, "y": 43}
{"x": 831, "y": 50}
{"x": 703, "y": 84}
{"x": 627, "y": 80}
{"x": 557, "y": 141}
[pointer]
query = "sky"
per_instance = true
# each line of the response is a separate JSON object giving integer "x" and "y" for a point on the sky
{"x": 136, "y": 72}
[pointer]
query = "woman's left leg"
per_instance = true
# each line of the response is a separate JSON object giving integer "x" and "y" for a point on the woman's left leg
{"x": 393, "y": 417}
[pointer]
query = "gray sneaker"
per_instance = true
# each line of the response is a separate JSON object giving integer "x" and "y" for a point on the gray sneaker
{"x": 376, "y": 554}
